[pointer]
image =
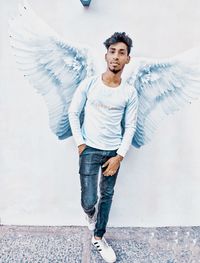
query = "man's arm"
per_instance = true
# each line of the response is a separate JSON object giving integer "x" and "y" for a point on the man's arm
{"x": 130, "y": 121}
{"x": 75, "y": 109}
{"x": 130, "y": 126}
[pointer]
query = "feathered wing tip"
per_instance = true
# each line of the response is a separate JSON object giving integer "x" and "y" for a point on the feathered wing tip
{"x": 27, "y": 26}
{"x": 54, "y": 67}
{"x": 163, "y": 88}
{"x": 26, "y": 21}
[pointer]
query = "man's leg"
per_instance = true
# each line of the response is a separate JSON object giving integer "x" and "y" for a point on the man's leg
{"x": 107, "y": 184}
{"x": 89, "y": 169}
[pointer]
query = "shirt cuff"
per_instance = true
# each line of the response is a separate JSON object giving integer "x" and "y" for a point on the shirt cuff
{"x": 121, "y": 153}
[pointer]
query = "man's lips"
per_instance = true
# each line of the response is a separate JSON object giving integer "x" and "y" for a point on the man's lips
{"x": 114, "y": 63}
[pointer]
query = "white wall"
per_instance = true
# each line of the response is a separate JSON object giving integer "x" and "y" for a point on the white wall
{"x": 158, "y": 185}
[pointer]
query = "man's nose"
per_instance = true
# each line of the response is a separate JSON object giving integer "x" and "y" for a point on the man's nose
{"x": 116, "y": 56}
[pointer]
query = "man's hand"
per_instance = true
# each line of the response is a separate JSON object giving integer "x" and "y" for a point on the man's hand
{"x": 113, "y": 164}
{"x": 81, "y": 148}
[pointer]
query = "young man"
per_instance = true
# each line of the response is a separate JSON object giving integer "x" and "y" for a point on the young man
{"x": 106, "y": 101}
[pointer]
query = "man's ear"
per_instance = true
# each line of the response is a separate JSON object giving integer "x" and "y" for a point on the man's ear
{"x": 128, "y": 59}
{"x": 106, "y": 57}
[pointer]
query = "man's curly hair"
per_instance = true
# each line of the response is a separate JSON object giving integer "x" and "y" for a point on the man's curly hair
{"x": 119, "y": 37}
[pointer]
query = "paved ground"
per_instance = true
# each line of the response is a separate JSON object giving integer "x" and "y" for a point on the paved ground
{"x": 31, "y": 244}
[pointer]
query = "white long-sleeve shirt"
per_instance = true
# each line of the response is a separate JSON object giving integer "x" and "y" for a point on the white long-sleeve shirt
{"x": 104, "y": 108}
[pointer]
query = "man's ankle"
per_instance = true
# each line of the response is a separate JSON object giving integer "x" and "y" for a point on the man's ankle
{"x": 97, "y": 238}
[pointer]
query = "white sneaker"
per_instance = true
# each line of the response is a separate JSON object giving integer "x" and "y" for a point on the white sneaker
{"x": 104, "y": 249}
{"x": 91, "y": 221}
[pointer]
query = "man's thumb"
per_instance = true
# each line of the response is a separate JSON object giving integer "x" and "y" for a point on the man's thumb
{"x": 105, "y": 164}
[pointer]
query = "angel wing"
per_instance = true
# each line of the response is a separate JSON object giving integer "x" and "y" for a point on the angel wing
{"x": 163, "y": 86}
{"x": 55, "y": 68}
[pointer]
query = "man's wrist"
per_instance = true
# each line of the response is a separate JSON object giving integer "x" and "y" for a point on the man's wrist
{"x": 119, "y": 157}
{"x": 81, "y": 144}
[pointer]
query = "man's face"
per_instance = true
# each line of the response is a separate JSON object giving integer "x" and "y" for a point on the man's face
{"x": 116, "y": 57}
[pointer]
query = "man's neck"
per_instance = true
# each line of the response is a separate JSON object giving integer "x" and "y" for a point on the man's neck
{"x": 110, "y": 79}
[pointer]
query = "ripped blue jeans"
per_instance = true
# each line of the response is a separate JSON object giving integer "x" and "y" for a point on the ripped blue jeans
{"x": 90, "y": 160}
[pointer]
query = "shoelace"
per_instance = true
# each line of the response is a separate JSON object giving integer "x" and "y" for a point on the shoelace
{"x": 92, "y": 219}
{"x": 103, "y": 239}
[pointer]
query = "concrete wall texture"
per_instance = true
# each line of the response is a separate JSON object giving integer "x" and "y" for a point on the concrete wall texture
{"x": 158, "y": 185}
